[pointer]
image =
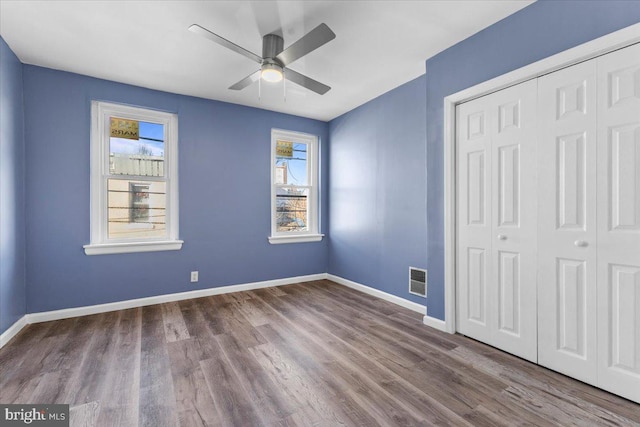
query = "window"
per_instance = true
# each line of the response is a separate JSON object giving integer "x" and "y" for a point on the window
{"x": 294, "y": 187}
{"x": 134, "y": 185}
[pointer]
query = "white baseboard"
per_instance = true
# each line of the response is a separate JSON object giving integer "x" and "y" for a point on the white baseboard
{"x": 435, "y": 323}
{"x": 141, "y": 302}
{"x": 377, "y": 293}
{"x": 47, "y": 316}
{"x": 13, "y": 330}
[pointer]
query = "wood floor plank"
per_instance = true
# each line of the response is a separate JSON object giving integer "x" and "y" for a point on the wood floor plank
{"x": 69, "y": 357}
{"x": 236, "y": 297}
{"x": 367, "y": 392}
{"x": 120, "y": 397}
{"x": 190, "y": 314}
{"x": 174, "y": 326}
{"x": 63, "y": 327}
{"x": 84, "y": 415}
{"x": 194, "y": 402}
{"x": 552, "y": 411}
{"x": 308, "y": 354}
{"x": 276, "y": 291}
{"x": 266, "y": 397}
{"x": 157, "y": 403}
{"x": 18, "y": 346}
{"x": 225, "y": 318}
{"x": 230, "y": 398}
{"x": 252, "y": 312}
{"x": 18, "y": 383}
{"x": 200, "y": 331}
{"x": 206, "y": 308}
{"x": 18, "y": 377}
{"x": 311, "y": 399}
{"x": 308, "y": 362}
{"x": 505, "y": 416}
{"x": 94, "y": 369}
{"x": 20, "y": 390}
{"x": 49, "y": 389}
{"x": 77, "y": 343}
{"x": 222, "y": 317}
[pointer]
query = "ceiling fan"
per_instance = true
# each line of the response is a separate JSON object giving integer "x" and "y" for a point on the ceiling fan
{"x": 275, "y": 61}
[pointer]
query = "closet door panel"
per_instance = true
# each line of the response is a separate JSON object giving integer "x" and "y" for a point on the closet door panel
{"x": 567, "y": 221}
{"x": 473, "y": 268}
{"x": 514, "y": 228}
{"x": 496, "y": 225}
{"x": 619, "y": 222}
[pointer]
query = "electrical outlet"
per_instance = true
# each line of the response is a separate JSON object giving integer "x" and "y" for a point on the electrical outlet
{"x": 194, "y": 276}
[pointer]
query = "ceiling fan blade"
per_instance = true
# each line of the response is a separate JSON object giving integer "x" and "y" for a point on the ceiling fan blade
{"x": 308, "y": 43}
{"x": 251, "y": 78}
{"x": 306, "y": 82}
{"x": 195, "y": 28}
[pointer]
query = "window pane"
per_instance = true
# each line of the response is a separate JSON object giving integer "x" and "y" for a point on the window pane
{"x": 291, "y": 163}
{"x": 291, "y": 209}
{"x": 138, "y": 149}
{"x": 136, "y": 209}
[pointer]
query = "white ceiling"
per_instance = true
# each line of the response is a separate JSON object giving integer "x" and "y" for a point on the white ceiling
{"x": 379, "y": 45}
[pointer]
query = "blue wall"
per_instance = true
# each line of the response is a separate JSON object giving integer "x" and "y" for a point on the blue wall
{"x": 12, "y": 227}
{"x": 224, "y": 152}
{"x": 378, "y": 191}
{"x": 535, "y": 32}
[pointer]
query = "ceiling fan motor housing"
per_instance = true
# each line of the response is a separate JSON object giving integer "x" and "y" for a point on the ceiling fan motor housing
{"x": 272, "y": 45}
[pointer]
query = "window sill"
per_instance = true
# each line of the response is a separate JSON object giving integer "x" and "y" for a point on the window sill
{"x": 300, "y": 238}
{"x": 123, "y": 248}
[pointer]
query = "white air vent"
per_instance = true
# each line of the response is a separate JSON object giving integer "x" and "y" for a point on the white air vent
{"x": 418, "y": 281}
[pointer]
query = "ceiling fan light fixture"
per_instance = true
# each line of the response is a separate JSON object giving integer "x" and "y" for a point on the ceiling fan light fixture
{"x": 271, "y": 73}
{"x": 275, "y": 59}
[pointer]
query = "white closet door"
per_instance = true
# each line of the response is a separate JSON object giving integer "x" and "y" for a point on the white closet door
{"x": 496, "y": 268}
{"x": 474, "y": 275}
{"x": 619, "y": 222}
{"x": 567, "y": 221}
{"x": 514, "y": 224}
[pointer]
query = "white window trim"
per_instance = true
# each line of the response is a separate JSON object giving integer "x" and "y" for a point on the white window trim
{"x": 313, "y": 203}
{"x": 100, "y": 244}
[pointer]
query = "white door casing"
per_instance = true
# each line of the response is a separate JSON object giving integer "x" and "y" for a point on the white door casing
{"x": 567, "y": 221}
{"x": 497, "y": 219}
{"x": 618, "y": 195}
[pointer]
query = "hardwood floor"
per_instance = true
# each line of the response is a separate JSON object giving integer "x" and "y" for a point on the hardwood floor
{"x": 307, "y": 354}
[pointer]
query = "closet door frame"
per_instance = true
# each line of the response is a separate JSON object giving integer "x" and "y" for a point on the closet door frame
{"x": 594, "y": 48}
